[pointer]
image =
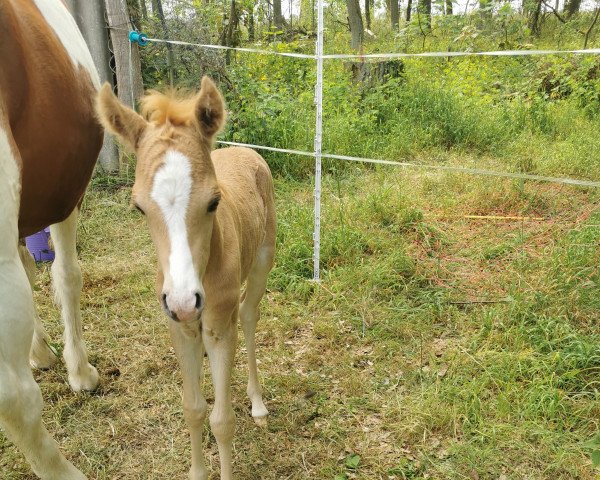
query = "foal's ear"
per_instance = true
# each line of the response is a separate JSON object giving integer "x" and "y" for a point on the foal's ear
{"x": 119, "y": 119}
{"x": 210, "y": 109}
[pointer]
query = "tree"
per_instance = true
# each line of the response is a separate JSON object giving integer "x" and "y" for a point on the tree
{"x": 424, "y": 9}
{"x": 90, "y": 19}
{"x": 572, "y": 7}
{"x": 408, "y": 10}
{"x": 368, "y": 14}
{"x": 143, "y": 9}
{"x": 535, "y": 16}
{"x": 231, "y": 32}
{"x": 356, "y": 24}
{"x": 394, "y": 14}
{"x": 449, "y": 7}
{"x": 158, "y": 11}
{"x": 135, "y": 13}
{"x": 249, "y": 21}
{"x": 277, "y": 15}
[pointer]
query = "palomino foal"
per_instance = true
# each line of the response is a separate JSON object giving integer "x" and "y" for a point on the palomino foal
{"x": 49, "y": 142}
{"x": 212, "y": 219}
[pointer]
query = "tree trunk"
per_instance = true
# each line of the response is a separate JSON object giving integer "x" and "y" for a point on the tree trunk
{"x": 230, "y": 35}
{"x": 534, "y": 18}
{"x": 90, "y": 19}
{"x": 589, "y": 30}
{"x": 232, "y": 26}
{"x": 408, "y": 10}
{"x": 424, "y": 8}
{"x": 250, "y": 25}
{"x": 449, "y": 7}
{"x": 157, "y": 10}
{"x": 356, "y": 24}
{"x": 277, "y": 15}
{"x": 144, "y": 9}
{"x": 572, "y": 7}
{"x": 368, "y": 13}
{"x": 394, "y": 14}
{"x": 135, "y": 13}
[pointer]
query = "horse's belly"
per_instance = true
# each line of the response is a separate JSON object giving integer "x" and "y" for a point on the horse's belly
{"x": 54, "y": 176}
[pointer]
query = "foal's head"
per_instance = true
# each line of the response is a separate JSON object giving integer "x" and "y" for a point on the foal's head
{"x": 175, "y": 184}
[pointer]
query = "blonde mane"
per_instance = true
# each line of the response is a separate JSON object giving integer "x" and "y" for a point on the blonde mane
{"x": 170, "y": 107}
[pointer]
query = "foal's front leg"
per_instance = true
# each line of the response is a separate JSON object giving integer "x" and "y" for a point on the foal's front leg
{"x": 220, "y": 339}
{"x": 187, "y": 342}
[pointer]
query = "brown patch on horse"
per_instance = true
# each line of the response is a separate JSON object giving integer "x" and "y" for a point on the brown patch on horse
{"x": 48, "y": 104}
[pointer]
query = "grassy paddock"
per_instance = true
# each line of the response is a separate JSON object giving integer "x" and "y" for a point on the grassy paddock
{"x": 437, "y": 346}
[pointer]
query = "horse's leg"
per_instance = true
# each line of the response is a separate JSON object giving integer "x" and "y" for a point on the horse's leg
{"x": 20, "y": 396}
{"x": 67, "y": 281}
{"x": 220, "y": 339}
{"x": 41, "y": 355}
{"x": 190, "y": 353}
{"x": 249, "y": 316}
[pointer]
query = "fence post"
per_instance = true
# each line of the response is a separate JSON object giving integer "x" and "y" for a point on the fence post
{"x": 318, "y": 143}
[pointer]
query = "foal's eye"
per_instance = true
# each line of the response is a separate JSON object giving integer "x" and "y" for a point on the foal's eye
{"x": 214, "y": 203}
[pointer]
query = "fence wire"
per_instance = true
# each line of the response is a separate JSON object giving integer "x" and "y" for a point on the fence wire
{"x": 319, "y": 57}
{"x": 376, "y": 56}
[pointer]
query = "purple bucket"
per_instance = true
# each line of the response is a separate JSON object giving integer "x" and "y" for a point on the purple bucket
{"x": 37, "y": 244}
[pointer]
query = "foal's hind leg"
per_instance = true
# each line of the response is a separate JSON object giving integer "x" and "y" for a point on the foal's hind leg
{"x": 67, "y": 280}
{"x": 20, "y": 397}
{"x": 40, "y": 356}
{"x": 249, "y": 315}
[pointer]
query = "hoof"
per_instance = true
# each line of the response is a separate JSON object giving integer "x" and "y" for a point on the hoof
{"x": 261, "y": 421}
{"x": 198, "y": 474}
{"x": 42, "y": 357}
{"x": 87, "y": 379}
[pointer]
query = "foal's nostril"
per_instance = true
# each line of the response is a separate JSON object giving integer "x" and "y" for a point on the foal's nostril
{"x": 168, "y": 311}
{"x": 198, "y": 301}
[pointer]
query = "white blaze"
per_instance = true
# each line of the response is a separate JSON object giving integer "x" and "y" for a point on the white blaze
{"x": 171, "y": 191}
{"x": 63, "y": 24}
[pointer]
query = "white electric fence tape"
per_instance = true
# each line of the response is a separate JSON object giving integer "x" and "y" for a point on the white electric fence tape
{"x": 425, "y": 166}
{"x": 237, "y": 49}
{"x": 373, "y": 56}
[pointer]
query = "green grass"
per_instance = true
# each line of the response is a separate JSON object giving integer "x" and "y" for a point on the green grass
{"x": 391, "y": 369}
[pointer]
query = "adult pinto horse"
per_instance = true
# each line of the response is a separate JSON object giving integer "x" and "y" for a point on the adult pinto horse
{"x": 212, "y": 220}
{"x": 49, "y": 143}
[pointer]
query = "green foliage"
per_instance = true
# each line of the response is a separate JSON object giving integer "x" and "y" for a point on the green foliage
{"x": 594, "y": 447}
{"x": 352, "y": 461}
{"x": 406, "y": 469}
{"x": 512, "y": 110}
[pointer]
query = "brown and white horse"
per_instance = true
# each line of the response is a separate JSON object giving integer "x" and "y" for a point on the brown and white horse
{"x": 49, "y": 143}
{"x": 212, "y": 220}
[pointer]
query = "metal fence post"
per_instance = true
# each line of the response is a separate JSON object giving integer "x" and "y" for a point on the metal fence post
{"x": 318, "y": 143}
